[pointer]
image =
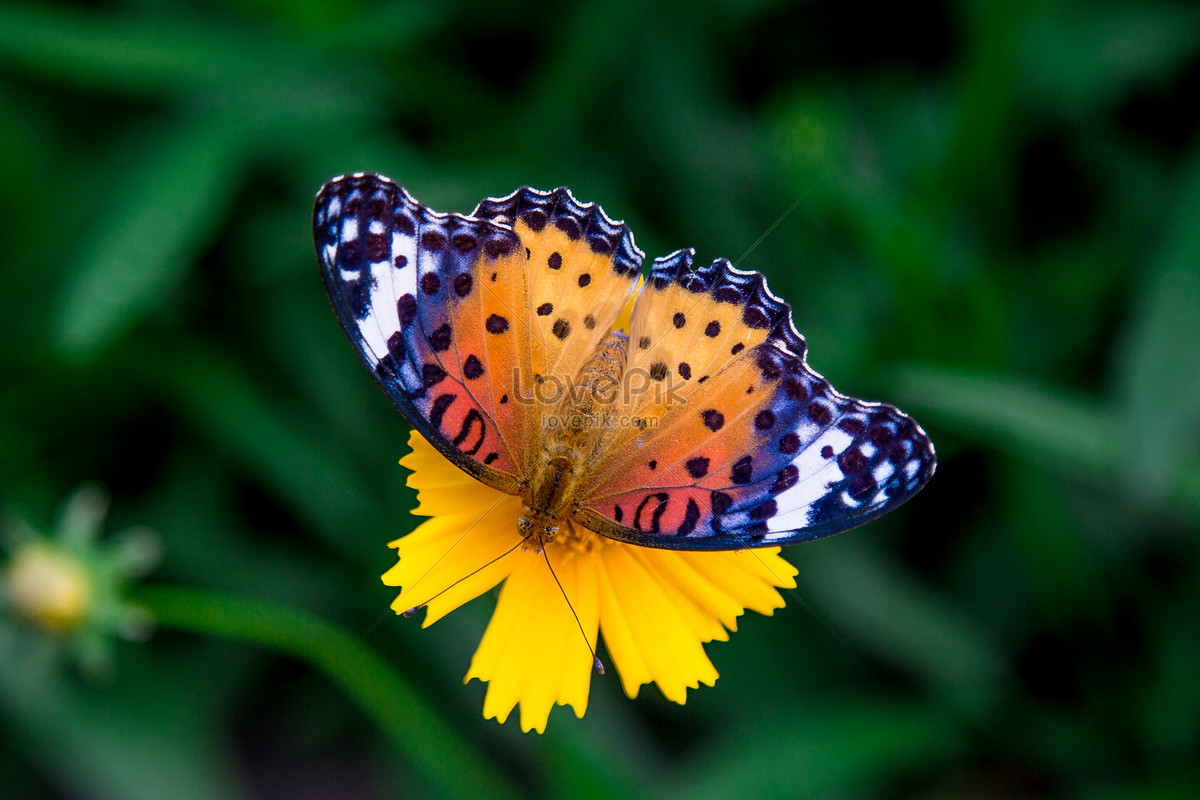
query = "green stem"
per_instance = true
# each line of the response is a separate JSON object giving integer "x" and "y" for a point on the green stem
{"x": 435, "y": 748}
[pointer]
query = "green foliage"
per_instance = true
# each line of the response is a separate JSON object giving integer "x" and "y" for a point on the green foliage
{"x": 992, "y": 219}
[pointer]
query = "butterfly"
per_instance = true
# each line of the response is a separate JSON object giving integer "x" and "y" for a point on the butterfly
{"x": 701, "y": 428}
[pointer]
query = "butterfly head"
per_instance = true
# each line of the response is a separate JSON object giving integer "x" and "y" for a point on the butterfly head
{"x": 536, "y": 529}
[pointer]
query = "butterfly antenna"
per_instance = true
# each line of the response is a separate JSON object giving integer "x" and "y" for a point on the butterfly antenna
{"x": 596, "y": 662}
{"x": 417, "y": 608}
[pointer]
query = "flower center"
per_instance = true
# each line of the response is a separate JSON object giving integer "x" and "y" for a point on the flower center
{"x": 577, "y": 539}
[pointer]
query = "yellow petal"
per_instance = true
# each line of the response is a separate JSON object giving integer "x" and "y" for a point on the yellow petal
{"x": 442, "y": 487}
{"x": 622, "y": 323}
{"x": 692, "y": 597}
{"x": 619, "y": 637}
{"x": 586, "y": 599}
{"x": 446, "y": 561}
{"x": 674, "y": 656}
{"x": 750, "y": 577}
{"x": 533, "y": 653}
{"x": 505, "y": 648}
{"x": 452, "y": 567}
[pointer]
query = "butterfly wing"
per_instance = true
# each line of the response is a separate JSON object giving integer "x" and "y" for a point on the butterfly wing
{"x": 735, "y": 441}
{"x": 447, "y": 310}
{"x": 405, "y": 283}
{"x": 580, "y": 269}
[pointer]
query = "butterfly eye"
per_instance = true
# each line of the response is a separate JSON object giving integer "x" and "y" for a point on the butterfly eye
{"x": 538, "y": 533}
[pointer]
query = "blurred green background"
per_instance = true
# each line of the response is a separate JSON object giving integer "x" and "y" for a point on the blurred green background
{"x": 994, "y": 223}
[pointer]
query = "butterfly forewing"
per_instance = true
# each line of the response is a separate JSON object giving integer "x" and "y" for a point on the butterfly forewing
{"x": 473, "y": 325}
{"x": 405, "y": 284}
{"x": 580, "y": 269}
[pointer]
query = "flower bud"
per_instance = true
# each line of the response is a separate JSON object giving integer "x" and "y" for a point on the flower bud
{"x": 47, "y": 586}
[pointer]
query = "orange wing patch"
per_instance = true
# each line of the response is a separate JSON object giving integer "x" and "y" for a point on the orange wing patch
{"x": 576, "y": 295}
{"x": 693, "y": 335}
{"x": 696, "y": 442}
{"x": 579, "y": 270}
{"x": 712, "y": 355}
{"x": 688, "y": 334}
{"x": 492, "y": 345}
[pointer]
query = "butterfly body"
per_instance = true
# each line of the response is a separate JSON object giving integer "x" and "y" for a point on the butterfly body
{"x": 570, "y": 439}
{"x": 701, "y": 428}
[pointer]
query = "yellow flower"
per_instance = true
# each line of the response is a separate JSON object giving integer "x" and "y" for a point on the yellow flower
{"x": 655, "y": 608}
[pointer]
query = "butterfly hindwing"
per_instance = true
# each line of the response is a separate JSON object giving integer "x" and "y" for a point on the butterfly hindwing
{"x": 740, "y": 443}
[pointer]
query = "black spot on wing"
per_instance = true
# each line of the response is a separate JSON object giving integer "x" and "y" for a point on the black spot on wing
{"x": 690, "y": 518}
{"x": 438, "y": 409}
{"x": 470, "y": 437}
{"x": 727, "y": 285}
{"x": 649, "y": 512}
{"x": 406, "y": 310}
{"x": 472, "y": 367}
{"x": 440, "y": 339}
{"x": 742, "y": 470}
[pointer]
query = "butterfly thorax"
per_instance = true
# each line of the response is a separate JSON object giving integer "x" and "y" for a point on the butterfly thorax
{"x": 570, "y": 435}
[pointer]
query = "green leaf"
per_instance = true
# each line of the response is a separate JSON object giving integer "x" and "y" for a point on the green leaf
{"x": 908, "y": 624}
{"x": 383, "y": 695}
{"x": 135, "y": 53}
{"x": 1075, "y": 55}
{"x": 95, "y": 742}
{"x": 148, "y": 233}
{"x": 297, "y": 465}
{"x": 1048, "y": 427}
{"x": 1158, "y": 380}
{"x": 1064, "y": 432}
{"x": 830, "y": 753}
